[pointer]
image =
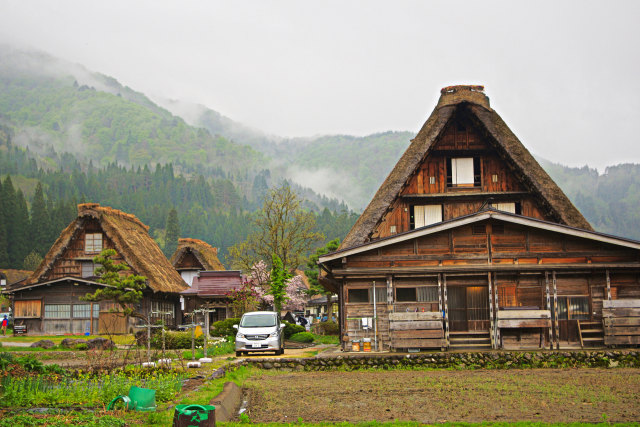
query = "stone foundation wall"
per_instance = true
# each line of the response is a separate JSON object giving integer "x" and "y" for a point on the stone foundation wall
{"x": 475, "y": 360}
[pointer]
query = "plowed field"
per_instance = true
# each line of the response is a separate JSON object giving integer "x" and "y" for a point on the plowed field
{"x": 549, "y": 395}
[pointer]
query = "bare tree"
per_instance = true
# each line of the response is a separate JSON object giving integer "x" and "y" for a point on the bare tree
{"x": 283, "y": 229}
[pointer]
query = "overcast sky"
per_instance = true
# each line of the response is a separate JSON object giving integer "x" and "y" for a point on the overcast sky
{"x": 564, "y": 75}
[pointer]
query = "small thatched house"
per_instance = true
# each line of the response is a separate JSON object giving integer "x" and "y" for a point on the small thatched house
{"x": 49, "y": 300}
{"x": 192, "y": 256}
{"x": 469, "y": 243}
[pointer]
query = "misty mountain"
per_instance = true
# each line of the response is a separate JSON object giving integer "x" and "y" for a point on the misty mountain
{"x": 52, "y": 106}
{"x": 323, "y": 163}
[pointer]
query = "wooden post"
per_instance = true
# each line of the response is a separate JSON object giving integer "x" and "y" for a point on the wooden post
{"x": 608, "y": 285}
{"x": 491, "y": 322}
{"x": 496, "y": 306}
{"x": 546, "y": 280}
{"x": 555, "y": 306}
{"x": 446, "y": 310}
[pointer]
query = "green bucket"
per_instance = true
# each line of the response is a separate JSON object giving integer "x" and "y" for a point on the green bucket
{"x": 144, "y": 399}
{"x": 194, "y": 416}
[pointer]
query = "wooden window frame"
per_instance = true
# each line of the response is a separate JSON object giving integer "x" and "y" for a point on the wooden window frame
{"x": 90, "y": 240}
{"x": 35, "y": 309}
{"x": 55, "y": 312}
{"x": 477, "y": 173}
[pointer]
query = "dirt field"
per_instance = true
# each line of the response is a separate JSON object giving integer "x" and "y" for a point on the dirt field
{"x": 582, "y": 395}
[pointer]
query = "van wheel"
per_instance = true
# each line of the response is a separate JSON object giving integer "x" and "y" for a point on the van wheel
{"x": 238, "y": 353}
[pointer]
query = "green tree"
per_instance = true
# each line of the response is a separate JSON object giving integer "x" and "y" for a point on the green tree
{"x": 21, "y": 243}
{"x": 125, "y": 291}
{"x": 282, "y": 229}
{"x": 39, "y": 221}
{"x": 278, "y": 283}
{"x": 32, "y": 261}
{"x": 311, "y": 271}
{"x": 172, "y": 233}
{"x": 9, "y": 208}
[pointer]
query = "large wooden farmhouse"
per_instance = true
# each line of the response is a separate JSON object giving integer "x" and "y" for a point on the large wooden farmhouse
{"x": 469, "y": 243}
{"x": 48, "y": 302}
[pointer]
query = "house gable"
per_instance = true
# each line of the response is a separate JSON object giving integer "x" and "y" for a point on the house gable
{"x": 105, "y": 227}
{"x": 462, "y": 158}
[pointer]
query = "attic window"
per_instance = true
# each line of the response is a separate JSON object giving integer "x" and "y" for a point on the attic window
{"x": 93, "y": 243}
{"x": 463, "y": 172}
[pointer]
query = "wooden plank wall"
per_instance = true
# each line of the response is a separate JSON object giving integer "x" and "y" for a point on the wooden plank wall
{"x": 621, "y": 321}
{"x": 416, "y": 330}
{"x": 523, "y": 329}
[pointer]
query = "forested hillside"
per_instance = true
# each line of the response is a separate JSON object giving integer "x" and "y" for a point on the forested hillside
{"x": 211, "y": 210}
{"x": 610, "y": 201}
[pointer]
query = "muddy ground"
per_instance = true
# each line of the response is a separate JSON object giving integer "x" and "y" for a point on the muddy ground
{"x": 548, "y": 395}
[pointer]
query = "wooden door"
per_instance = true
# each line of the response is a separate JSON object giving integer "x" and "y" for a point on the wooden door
{"x": 468, "y": 308}
{"x": 457, "y": 299}
{"x": 478, "y": 308}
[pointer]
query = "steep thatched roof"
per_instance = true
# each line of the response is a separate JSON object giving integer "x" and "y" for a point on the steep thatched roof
{"x": 132, "y": 242}
{"x": 475, "y": 103}
{"x": 206, "y": 254}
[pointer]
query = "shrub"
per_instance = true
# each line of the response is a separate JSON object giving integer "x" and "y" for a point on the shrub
{"x": 175, "y": 340}
{"x": 302, "y": 337}
{"x": 82, "y": 346}
{"x": 30, "y": 363}
{"x": 224, "y": 328}
{"x": 327, "y": 328}
{"x": 291, "y": 329}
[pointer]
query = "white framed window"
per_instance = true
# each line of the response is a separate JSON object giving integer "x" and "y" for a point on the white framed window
{"x": 424, "y": 215}
{"x": 88, "y": 269}
{"x": 93, "y": 243}
{"x": 83, "y": 311}
{"x": 462, "y": 171}
{"x": 57, "y": 311}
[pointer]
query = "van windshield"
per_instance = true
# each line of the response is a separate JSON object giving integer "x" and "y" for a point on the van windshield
{"x": 258, "y": 321}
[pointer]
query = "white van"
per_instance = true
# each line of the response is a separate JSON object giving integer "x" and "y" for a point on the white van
{"x": 260, "y": 331}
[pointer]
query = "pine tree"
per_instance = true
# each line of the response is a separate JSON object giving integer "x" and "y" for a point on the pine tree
{"x": 8, "y": 203}
{"x": 22, "y": 228}
{"x": 39, "y": 221}
{"x": 172, "y": 233}
{"x": 4, "y": 253}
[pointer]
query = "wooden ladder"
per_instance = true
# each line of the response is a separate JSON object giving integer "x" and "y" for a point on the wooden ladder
{"x": 590, "y": 333}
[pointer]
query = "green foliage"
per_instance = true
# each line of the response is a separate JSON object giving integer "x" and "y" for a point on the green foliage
{"x": 125, "y": 291}
{"x": 32, "y": 261}
{"x": 82, "y": 347}
{"x": 311, "y": 270}
{"x": 327, "y": 328}
{"x": 277, "y": 283}
{"x": 175, "y": 340}
{"x": 292, "y": 329}
{"x": 85, "y": 389}
{"x": 224, "y": 328}
{"x": 88, "y": 419}
{"x": 172, "y": 233}
{"x": 302, "y": 337}
{"x": 30, "y": 363}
